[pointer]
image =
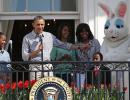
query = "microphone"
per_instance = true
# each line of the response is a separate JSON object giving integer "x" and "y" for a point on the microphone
{"x": 2, "y": 51}
{"x": 40, "y": 38}
{"x": 42, "y": 35}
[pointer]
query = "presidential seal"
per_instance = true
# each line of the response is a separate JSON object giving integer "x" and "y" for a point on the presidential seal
{"x": 50, "y": 88}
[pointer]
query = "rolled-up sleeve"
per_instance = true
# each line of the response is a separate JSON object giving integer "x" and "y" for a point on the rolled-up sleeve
{"x": 58, "y": 43}
{"x": 25, "y": 49}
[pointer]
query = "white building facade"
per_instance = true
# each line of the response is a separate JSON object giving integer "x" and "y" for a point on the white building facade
{"x": 86, "y": 11}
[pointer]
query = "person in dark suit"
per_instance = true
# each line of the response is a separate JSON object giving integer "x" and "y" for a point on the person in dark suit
{"x": 99, "y": 74}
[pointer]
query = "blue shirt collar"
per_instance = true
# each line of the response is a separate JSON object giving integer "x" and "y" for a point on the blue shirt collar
{"x": 37, "y": 35}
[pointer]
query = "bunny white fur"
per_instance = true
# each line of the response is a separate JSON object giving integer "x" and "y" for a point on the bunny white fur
{"x": 116, "y": 44}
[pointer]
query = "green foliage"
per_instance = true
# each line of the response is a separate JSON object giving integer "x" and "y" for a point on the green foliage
{"x": 98, "y": 93}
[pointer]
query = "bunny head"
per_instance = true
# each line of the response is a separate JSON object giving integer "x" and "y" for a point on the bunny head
{"x": 115, "y": 28}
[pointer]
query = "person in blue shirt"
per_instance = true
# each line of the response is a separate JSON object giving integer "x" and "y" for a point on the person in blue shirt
{"x": 4, "y": 57}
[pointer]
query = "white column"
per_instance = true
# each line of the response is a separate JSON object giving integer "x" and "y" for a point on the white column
{"x": 83, "y": 9}
{"x": 128, "y": 15}
{"x": 89, "y": 14}
{"x": 1, "y": 9}
{"x": 127, "y": 81}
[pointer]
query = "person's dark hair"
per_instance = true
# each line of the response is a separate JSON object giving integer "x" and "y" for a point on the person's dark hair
{"x": 100, "y": 54}
{"x": 38, "y": 18}
{"x": 83, "y": 27}
{"x": 60, "y": 28}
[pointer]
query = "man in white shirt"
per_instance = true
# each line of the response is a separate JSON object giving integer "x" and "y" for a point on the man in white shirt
{"x": 37, "y": 46}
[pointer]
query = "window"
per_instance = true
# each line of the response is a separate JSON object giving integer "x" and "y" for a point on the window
{"x": 39, "y": 5}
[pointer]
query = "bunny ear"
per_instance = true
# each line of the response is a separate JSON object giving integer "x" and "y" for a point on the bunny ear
{"x": 121, "y": 9}
{"x": 106, "y": 9}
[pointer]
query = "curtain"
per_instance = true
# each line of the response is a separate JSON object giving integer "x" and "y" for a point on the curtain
{"x": 7, "y": 27}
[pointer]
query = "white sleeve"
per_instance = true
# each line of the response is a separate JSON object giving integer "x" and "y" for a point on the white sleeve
{"x": 47, "y": 47}
{"x": 25, "y": 49}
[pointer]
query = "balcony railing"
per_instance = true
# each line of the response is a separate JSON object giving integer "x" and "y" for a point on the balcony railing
{"x": 110, "y": 81}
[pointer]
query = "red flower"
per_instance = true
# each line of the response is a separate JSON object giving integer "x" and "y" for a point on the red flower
{"x": 26, "y": 84}
{"x": 7, "y": 86}
{"x": 77, "y": 90}
{"x": 13, "y": 85}
{"x": 32, "y": 82}
{"x": 116, "y": 85}
{"x": 87, "y": 86}
{"x": 72, "y": 85}
{"x": 124, "y": 89}
{"x": 20, "y": 84}
{"x": 2, "y": 88}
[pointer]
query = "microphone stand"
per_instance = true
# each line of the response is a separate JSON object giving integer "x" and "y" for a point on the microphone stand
{"x": 42, "y": 54}
{"x": 42, "y": 50}
{"x": 10, "y": 49}
{"x": 9, "y": 75}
